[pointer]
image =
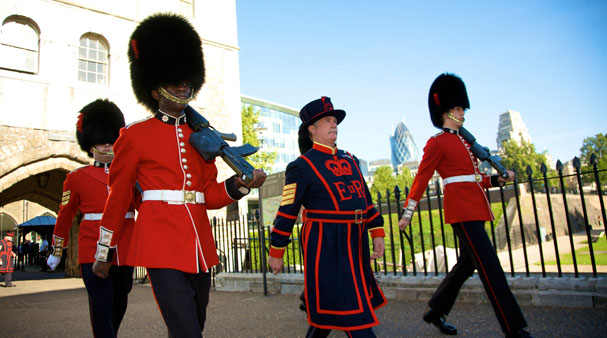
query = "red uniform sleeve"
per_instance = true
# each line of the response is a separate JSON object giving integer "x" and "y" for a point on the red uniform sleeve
{"x": 430, "y": 160}
{"x": 70, "y": 203}
{"x": 123, "y": 174}
{"x": 216, "y": 194}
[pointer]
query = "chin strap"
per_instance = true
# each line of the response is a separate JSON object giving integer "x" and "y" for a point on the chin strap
{"x": 451, "y": 116}
{"x": 105, "y": 253}
{"x": 174, "y": 98}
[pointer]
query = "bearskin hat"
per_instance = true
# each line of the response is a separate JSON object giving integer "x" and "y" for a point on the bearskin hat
{"x": 164, "y": 49}
{"x": 99, "y": 122}
{"x": 447, "y": 91}
{"x": 312, "y": 112}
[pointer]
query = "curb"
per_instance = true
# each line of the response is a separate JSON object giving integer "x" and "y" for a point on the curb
{"x": 581, "y": 292}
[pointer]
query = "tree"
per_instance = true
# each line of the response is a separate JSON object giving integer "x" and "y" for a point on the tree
{"x": 596, "y": 145}
{"x": 250, "y": 122}
{"x": 405, "y": 179}
{"x": 382, "y": 181}
{"x": 517, "y": 157}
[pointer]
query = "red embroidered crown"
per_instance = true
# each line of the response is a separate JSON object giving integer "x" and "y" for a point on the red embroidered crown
{"x": 339, "y": 167}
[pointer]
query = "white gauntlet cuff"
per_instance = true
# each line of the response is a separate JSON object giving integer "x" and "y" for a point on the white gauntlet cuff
{"x": 58, "y": 246}
{"x": 409, "y": 209}
{"x": 105, "y": 253}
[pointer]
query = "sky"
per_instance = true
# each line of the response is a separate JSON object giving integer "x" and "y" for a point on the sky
{"x": 377, "y": 59}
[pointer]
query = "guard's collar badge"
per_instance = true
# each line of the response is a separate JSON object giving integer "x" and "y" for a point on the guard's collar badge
{"x": 168, "y": 119}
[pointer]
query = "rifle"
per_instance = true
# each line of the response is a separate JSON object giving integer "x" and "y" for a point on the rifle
{"x": 210, "y": 143}
{"x": 482, "y": 153}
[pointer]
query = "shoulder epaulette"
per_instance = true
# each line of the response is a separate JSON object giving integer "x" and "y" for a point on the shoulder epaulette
{"x": 137, "y": 122}
{"x": 439, "y": 133}
{"x": 73, "y": 171}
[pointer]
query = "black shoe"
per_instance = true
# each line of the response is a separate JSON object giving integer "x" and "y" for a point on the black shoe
{"x": 519, "y": 334}
{"x": 302, "y": 305}
{"x": 440, "y": 322}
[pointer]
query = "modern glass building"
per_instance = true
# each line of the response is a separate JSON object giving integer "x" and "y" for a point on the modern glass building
{"x": 278, "y": 127}
{"x": 402, "y": 145}
{"x": 511, "y": 127}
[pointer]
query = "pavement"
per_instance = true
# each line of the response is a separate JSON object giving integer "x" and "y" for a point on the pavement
{"x": 47, "y": 304}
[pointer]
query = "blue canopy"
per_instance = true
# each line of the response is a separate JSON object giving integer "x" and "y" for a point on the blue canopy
{"x": 39, "y": 221}
{"x": 44, "y": 225}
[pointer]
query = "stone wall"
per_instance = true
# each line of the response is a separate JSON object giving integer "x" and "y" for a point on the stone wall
{"x": 534, "y": 291}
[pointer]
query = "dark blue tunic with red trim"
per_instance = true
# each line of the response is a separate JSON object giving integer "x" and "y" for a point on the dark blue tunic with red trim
{"x": 340, "y": 289}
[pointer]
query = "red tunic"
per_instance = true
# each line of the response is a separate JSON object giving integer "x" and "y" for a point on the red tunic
{"x": 158, "y": 156}
{"x": 86, "y": 189}
{"x": 6, "y": 255}
{"x": 450, "y": 155}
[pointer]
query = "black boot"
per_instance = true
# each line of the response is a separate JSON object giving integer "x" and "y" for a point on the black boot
{"x": 440, "y": 322}
{"x": 302, "y": 305}
{"x": 519, "y": 334}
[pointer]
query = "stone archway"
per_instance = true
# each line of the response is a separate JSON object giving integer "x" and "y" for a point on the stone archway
{"x": 33, "y": 167}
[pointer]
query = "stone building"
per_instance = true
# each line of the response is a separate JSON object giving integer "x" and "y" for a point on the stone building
{"x": 57, "y": 56}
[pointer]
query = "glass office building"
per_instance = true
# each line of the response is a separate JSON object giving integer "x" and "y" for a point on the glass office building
{"x": 402, "y": 146}
{"x": 277, "y": 130}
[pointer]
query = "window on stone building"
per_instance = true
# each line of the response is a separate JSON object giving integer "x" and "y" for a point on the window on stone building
{"x": 93, "y": 59}
{"x": 19, "y": 45}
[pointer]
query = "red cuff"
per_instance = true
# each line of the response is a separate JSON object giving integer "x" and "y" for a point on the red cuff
{"x": 377, "y": 232}
{"x": 277, "y": 252}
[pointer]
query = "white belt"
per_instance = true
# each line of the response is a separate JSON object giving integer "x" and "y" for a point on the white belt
{"x": 462, "y": 178}
{"x": 97, "y": 216}
{"x": 174, "y": 196}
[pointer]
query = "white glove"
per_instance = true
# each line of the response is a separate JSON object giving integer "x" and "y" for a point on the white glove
{"x": 53, "y": 261}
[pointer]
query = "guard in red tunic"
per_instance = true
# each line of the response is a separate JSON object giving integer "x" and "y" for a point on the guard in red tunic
{"x": 86, "y": 190}
{"x": 172, "y": 236}
{"x": 6, "y": 258}
{"x": 340, "y": 290}
{"x": 466, "y": 209}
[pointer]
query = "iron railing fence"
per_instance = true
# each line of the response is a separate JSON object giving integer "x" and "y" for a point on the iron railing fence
{"x": 545, "y": 225}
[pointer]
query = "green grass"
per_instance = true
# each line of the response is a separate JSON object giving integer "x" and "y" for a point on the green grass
{"x": 582, "y": 255}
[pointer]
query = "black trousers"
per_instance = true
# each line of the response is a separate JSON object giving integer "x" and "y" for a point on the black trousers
{"x": 182, "y": 299}
{"x": 478, "y": 253}
{"x": 108, "y": 298}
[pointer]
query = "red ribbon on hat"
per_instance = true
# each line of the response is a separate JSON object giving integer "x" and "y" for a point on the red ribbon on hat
{"x": 436, "y": 100}
{"x": 327, "y": 106}
{"x": 135, "y": 50}
{"x": 79, "y": 122}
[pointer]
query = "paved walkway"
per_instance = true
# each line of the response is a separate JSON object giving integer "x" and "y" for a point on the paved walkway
{"x": 48, "y": 305}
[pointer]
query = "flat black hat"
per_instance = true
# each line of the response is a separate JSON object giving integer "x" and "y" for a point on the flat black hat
{"x": 164, "y": 49}
{"x": 313, "y": 112}
{"x": 99, "y": 122}
{"x": 447, "y": 91}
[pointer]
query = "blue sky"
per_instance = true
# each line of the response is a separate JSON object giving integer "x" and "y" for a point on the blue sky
{"x": 377, "y": 60}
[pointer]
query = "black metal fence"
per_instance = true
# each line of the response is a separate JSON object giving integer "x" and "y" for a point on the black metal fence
{"x": 547, "y": 225}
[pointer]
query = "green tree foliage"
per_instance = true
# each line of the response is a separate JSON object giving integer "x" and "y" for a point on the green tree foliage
{"x": 596, "y": 145}
{"x": 517, "y": 156}
{"x": 383, "y": 180}
{"x": 405, "y": 179}
{"x": 250, "y": 120}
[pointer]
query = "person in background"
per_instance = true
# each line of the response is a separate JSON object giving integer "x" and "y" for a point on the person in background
{"x": 6, "y": 258}
{"x": 86, "y": 189}
{"x": 340, "y": 290}
{"x": 466, "y": 209}
{"x": 42, "y": 252}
